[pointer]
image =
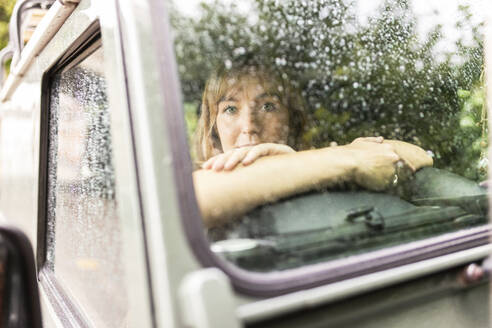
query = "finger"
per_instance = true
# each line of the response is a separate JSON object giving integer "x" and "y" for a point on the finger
{"x": 208, "y": 164}
{"x": 220, "y": 161}
{"x": 389, "y": 151}
{"x": 257, "y": 152}
{"x": 376, "y": 139}
{"x": 369, "y": 139}
{"x": 373, "y": 139}
{"x": 235, "y": 158}
{"x": 283, "y": 149}
{"x": 408, "y": 165}
{"x": 395, "y": 157}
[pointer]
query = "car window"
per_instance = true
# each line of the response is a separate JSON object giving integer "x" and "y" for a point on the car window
{"x": 84, "y": 245}
{"x": 292, "y": 93}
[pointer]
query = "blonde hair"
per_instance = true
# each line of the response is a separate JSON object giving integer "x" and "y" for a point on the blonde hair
{"x": 207, "y": 142}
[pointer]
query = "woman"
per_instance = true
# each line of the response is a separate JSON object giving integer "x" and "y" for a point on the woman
{"x": 248, "y": 116}
{"x": 276, "y": 118}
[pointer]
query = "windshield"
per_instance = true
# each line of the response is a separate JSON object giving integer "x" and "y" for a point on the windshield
{"x": 327, "y": 128}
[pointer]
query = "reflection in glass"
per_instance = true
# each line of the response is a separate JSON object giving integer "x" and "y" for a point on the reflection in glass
{"x": 355, "y": 72}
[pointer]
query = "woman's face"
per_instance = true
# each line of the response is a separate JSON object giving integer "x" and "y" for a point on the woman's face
{"x": 249, "y": 115}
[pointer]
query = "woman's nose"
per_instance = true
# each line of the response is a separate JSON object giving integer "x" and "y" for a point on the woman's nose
{"x": 249, "y": 122}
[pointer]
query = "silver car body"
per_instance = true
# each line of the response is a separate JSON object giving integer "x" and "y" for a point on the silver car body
{"x": 165, "y": 284}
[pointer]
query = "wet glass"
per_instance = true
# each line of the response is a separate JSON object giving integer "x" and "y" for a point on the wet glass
{"x": 405, "y": 70}
{"x": 84, "y": 246}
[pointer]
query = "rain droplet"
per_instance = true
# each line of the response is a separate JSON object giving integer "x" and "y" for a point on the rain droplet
{"x": 323, "y": 13}
{"x": 280, "y": 61}
{"x": 239, "y": 51}
{"x": 483, "y": 163}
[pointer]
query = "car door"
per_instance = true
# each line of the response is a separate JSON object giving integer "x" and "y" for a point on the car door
{"x": 64, "y": 115}
{"x": 102, "y": 182}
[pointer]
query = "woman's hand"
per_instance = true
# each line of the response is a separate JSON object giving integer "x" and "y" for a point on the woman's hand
{"x": 375, "y": 163}
{"x": 413, "y": 155}
{"x": 245, "y": 156}
{"x": 381, "y": 163}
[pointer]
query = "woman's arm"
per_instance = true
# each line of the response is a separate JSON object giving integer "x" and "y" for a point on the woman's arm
{"x": 225, "y": 195}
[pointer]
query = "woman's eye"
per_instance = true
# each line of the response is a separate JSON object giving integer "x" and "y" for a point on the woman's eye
{"x": 230, "y": 109}
{"x": 268, "y": 107}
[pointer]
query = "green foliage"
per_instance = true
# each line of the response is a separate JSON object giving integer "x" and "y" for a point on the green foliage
{"x": 191, "y": 119}
{"x": 473, "y": 131}
{"x": 370, "y": 79}
{"x": 6, "y": 7}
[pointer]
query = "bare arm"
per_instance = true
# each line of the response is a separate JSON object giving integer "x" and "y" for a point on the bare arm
{"x": 225, "y": 194}
{"x": 228, "y": 194}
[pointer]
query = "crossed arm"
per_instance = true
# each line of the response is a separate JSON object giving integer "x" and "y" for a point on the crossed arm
{"x": 367, "y": 162}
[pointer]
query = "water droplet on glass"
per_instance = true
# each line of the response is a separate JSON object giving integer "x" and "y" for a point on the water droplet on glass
{"x": 324, "y": 12}
{"x": 239, "y": 51}
{"x": 483, "y": 163}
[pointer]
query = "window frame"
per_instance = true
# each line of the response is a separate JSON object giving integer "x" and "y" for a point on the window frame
{"x": 276, "y": 283}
